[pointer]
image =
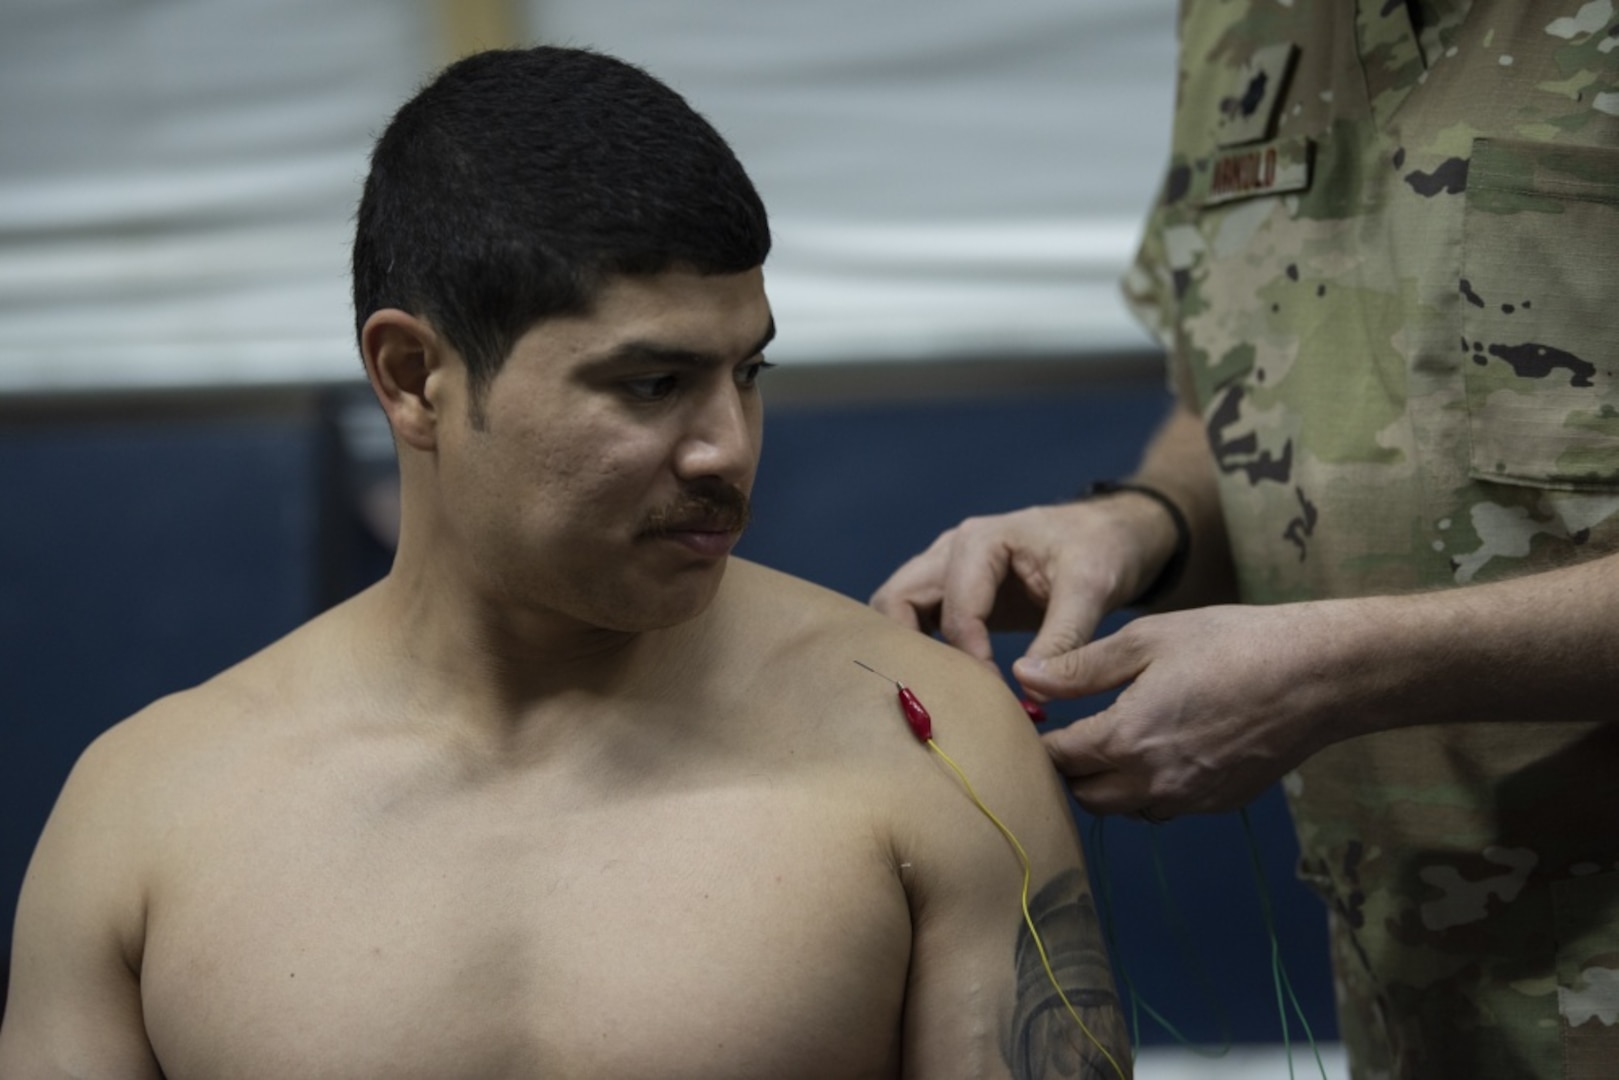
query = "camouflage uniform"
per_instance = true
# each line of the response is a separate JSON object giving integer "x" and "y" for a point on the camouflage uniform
{"x": 1384, "y": 264}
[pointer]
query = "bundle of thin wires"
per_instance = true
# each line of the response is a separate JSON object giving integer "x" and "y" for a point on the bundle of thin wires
{"x": 1285, "y": 995}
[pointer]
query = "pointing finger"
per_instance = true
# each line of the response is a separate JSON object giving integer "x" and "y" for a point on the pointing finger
{"x": 971, "y": 582}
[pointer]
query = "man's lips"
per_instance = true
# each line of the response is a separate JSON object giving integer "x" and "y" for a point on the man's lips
{"x": 702, "y": 539}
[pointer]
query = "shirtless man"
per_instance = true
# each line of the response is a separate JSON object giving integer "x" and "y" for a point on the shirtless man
{"x": 570, "y": 792}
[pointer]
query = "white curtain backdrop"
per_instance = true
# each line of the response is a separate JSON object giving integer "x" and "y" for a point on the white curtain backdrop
{"x": 945, "y": 177}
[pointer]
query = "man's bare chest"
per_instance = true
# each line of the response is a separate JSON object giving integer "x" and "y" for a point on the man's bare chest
{"x": 744, "y": 931}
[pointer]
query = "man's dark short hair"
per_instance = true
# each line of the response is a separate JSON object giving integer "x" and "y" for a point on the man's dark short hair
{"x": 518, "y": 181}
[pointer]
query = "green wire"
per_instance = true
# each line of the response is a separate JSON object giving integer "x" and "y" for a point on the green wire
{"x": 1183, "y": 933}
{"x": 1285, "y": 994}
{"x": 1138, "y": 1002}
{"x": 1278, "y": 969}
{"x": 1104, "y": 897}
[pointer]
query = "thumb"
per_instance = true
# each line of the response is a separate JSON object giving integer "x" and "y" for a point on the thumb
{"x": 1089, "y": 669}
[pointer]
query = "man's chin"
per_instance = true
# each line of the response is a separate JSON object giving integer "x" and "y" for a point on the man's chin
{"x": 670, "y": 601}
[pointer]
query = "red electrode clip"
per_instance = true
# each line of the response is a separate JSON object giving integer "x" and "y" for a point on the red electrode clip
{"x": 909, "y": 704}
{"x": 916, "y": 716}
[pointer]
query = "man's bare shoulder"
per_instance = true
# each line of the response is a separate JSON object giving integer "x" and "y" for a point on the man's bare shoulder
{"x": 961, "y": 873}
{"x": 180, "y": 740}
{"x": 101, "y": 856}
{"x": 814, "y": 639}
{"x": 810, "y": 647}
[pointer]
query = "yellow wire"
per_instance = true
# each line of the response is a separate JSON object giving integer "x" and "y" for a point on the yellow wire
{"x": 1028, "y": 920}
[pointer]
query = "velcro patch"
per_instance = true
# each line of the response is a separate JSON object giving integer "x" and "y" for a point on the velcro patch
{"x": 1248, "y": 113}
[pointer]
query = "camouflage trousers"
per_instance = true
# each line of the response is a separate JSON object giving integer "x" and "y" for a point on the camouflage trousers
{"x": 1498, "y": 977}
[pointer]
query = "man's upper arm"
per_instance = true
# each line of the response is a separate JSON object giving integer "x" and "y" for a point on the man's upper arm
{"x": 980, "y": 1001}
{"x": 73, "y": 1007}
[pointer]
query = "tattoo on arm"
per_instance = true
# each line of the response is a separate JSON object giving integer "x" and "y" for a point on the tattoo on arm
{"x": 1044, "y": 1041}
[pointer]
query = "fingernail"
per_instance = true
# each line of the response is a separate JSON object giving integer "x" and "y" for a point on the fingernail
{"x": 1030, "y": 665}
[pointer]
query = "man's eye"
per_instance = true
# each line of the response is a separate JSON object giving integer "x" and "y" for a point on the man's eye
{"x": 748, "y": 374}
{"x": 651, "y": 388}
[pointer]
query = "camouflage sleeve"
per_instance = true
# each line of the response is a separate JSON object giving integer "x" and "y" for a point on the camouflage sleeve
{"x": 1147, "y": 284}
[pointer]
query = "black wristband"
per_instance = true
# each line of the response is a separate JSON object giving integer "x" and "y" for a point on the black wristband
{"x": 1170, "y": 575}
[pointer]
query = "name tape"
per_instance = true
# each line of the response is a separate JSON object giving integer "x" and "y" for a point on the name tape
{"x": 1272, "y": 168}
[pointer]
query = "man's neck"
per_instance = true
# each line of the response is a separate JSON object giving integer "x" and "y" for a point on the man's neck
{"x": 506, "y": 666}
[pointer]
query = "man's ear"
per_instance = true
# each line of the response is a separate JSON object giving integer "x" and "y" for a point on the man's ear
{"x": 406, "y": 363}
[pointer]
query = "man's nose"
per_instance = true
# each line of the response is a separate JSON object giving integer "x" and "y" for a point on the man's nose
{"x": 722, "y": 439}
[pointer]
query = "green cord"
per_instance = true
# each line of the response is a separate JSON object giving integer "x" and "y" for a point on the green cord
{"x": 1285, "y": 994}
{"x": 1104, "y": 896}
{"x": 1278, "y": 969}
{"x": 1138, "y": 1003}
{"x": 1183, "y": 934}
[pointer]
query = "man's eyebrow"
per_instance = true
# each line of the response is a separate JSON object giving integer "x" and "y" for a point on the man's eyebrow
{"x": 635, "y": 352}
{"x": 763, "y": 342}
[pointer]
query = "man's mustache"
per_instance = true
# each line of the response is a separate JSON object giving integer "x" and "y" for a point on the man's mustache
{"x": 714, "y": 508}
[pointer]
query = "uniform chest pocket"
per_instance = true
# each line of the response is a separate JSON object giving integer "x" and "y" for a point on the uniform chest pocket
{"x": 1540, "y": 289}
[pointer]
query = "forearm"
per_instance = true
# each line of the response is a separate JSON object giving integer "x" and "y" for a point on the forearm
{"x": 1223, "y": 700}
{"x": 1544, "y": 647}
{"x": 1177, "y": 462}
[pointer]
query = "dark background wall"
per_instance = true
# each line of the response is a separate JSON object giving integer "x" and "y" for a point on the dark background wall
{"x": 144, "y": 545}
